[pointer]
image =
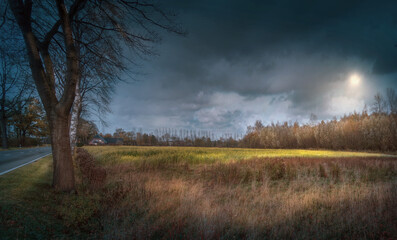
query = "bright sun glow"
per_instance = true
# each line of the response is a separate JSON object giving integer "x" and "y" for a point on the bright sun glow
{"x": 355, "y": 80}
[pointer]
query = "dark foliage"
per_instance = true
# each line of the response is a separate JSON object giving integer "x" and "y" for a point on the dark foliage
{"x": 94, "y": 175}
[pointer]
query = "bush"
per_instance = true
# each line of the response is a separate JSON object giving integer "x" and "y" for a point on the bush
{"x": 94, "y": 175}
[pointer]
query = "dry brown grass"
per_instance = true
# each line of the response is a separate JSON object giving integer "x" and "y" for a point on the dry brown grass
{"x": 291, "y": 198}
{"x": 186, "y": 193}
{"x": 93, "y": 175}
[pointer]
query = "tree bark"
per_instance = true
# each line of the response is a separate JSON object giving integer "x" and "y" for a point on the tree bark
{"x": 63, "y": 172}
{"x": 3, "y": 120}
{"x": 4, "y": 137}
{"x": 23, "y": 138}
{"x": 75, "y": 118}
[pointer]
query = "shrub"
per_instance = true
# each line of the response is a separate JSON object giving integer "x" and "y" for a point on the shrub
{"x": 94, "y": 175}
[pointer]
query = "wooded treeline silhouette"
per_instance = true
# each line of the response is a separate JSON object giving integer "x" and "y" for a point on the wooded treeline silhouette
{"x": 355, "y": 131}
{"x": 374, "y": 129}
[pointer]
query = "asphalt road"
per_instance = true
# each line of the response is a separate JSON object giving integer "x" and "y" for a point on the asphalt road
{"x": 13, "y": 159}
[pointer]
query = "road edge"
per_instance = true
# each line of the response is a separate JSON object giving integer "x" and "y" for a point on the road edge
{"x": 12, "y": 169}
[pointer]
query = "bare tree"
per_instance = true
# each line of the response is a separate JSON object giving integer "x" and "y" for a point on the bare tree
{"x": 97, "y": 78}
{"x": 3, "y": 11}
{"x": 313, "y": 118}
{"x": 14, "y": 90}
{"x": 391, "y": 100}
{"x": 15, "y": 87}
{"x": 379, "y": 105}
{"x": 48, "y": 31}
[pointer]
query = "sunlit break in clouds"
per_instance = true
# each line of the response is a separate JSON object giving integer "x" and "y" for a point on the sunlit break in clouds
{"x": 262, "y": 60}
{"x": 355, "y": 80}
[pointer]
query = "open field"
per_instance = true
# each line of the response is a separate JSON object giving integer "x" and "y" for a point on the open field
{"x": 197, "y": 155}
{"x": 206, "y": 193}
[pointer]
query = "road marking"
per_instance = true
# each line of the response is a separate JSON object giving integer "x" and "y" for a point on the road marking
{"x": 9, "y": 170}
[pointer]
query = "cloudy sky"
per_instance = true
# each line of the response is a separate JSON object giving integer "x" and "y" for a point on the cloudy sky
{"x": 267, "y": 60}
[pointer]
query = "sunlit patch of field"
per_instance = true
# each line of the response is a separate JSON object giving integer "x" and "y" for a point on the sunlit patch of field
{"x": 208, "y": 193}
{"x": 195, "y": 155}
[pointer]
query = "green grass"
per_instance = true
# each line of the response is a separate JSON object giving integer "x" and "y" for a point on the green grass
{"x": 31, "y": 209}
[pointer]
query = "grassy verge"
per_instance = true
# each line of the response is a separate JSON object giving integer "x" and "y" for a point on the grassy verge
{"x": 206, "y": 193}
{"x": 30, "y": 209}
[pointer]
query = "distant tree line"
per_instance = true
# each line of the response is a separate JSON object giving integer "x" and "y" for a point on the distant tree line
{"x": 26, "y": 125}
{"x": 162, "y": 138}
{"x": 375, "y": 131}
{"x": 356, "y": 131}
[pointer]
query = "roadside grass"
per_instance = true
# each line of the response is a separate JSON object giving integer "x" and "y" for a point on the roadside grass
{"x": 31, "y": 209}
{"x": 206, "y": 193}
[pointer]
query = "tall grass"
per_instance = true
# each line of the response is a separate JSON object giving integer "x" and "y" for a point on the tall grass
{"x": 206, "y": 193}
{"x": 189, "y": 193}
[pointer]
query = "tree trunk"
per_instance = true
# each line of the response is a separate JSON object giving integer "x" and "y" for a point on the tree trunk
{"x": 4, "y": 137}
{"x": 41, "y": 64}
{"x": 75, "y": 115}
{"x": 63, "y": 174}
{"x": 23, "y": 138}
{"x": 3, "y": 117}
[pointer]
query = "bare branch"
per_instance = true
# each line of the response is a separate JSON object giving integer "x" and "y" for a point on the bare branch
{"x": 3, "y": 16}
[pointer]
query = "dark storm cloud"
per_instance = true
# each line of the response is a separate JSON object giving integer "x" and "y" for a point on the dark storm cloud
{"x": 301, "y": 51}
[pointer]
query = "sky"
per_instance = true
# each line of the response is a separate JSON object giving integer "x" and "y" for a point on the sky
{"x": 272, "y": 61}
